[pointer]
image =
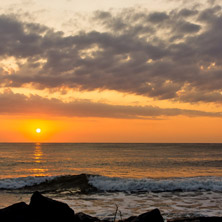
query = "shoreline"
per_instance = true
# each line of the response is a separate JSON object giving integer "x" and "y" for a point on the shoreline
{"x": 42, "y": 208}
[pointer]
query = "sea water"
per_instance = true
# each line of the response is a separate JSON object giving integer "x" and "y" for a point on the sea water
{"x": 179, "y": 179}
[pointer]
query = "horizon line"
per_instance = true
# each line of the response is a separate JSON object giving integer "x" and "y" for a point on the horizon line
{"x": 115, "y": 142}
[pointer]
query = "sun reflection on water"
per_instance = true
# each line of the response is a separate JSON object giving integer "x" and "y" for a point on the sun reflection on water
{"x": 39, "y": 169}
{"x": 38, "y": 153}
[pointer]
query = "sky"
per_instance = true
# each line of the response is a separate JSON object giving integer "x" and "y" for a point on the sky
{"x": 111, "y": 71}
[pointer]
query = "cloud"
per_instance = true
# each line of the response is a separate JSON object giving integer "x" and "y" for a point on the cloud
{"x": 174, "y": 55}
{"x": 157, "y": 17}
{"x": 187, "y": 12}
{"x": 11, "y": 103}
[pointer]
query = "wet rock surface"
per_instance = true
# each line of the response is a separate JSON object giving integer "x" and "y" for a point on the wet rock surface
{"x": 72, "y": 183}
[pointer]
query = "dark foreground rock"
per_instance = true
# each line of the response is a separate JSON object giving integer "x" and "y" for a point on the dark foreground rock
{"x": 16, "y": 212}
{"x": 44, "y": 209}
{"x": 151, "y": 216}
{"x": 40, "y": 209}
{"x": 81, "y": 217}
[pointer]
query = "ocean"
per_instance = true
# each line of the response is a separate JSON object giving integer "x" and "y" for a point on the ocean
{"x": 182, "y": 180}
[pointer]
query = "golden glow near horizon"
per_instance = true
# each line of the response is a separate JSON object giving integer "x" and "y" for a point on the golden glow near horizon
{"x": 173, "y": 129}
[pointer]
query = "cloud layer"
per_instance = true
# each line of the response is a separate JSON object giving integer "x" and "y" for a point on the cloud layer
{"x": 174, "y": 55}
{"x": 11, "y": 103}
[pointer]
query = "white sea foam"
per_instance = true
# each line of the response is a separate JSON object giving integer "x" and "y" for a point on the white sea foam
{"x": 16, "y": 183}
{"x": 156, "y": 185}
{"x": 171, "y": 204}
{"x": 103, "y": 183}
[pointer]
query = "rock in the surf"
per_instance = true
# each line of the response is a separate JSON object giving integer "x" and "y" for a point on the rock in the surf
{"x": 75, "y": 183}
{"x": 46, "y": 209}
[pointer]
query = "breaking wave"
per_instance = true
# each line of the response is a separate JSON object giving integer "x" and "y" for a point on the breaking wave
{"x": 87, "y": 183}
{"x": 20, "y": 182}
{"x": 156, "y": 185}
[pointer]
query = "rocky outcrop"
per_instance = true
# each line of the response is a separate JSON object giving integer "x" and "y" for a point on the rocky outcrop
{"x": 44, "y": 209}
{"x": 72, "y": 183}
{"x": 40, "y": 209}
{"x": 16, "y": 212}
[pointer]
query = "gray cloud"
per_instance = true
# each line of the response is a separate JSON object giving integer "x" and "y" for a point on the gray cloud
{"x": 157, "y": 17}
{"x": 159, "y": 55}
{"x": 187, "y": 12}
{"x": 11, "y": 103}
{"x": 188, "y": 27}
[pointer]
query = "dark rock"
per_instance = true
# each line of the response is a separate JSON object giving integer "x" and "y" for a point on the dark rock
{"x": 198, "y": 219}
{"x": 46, "y": 209}
{"x": 151, "y": 216}
{"x": 70, "y": 183}
{"x": 19, "y": 212}
{"x": 86, "y": 218}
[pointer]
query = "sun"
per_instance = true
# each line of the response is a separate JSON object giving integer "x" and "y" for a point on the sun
{"x": 38, "y": 130}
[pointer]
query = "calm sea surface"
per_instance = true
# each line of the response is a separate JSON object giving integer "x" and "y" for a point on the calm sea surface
{"x": 179, "y": 179}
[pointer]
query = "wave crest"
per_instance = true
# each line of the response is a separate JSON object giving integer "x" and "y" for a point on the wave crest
{"x": 20, "y": 182}
{"x": 87, "y": 183}
{"x": 156, "y": 185}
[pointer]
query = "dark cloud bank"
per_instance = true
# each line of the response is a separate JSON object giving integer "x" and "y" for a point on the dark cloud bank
{"x": 175, "y": 55}
{"x": 11, "y": 103}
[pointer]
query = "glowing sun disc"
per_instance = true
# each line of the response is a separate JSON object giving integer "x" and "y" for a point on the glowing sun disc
{"x": 38, "y": 130}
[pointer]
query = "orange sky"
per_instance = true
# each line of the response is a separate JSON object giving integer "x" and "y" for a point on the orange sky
{"x": 173, "y": 129}
{"x": 125, "y": 71}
